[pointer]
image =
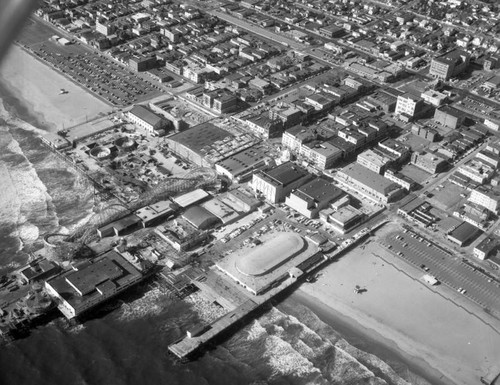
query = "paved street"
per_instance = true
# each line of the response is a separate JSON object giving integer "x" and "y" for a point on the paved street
{"x": 447, "y": 268}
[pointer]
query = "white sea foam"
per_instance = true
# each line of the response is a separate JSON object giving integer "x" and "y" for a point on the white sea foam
{"x": 285, "y": 360}
{"x": 25, "y": 196}
{"x": 15, "y": 121}
{"x": 255, "y": 331}
{"x": 314, "y": 352}
{"x": 76, "y": 328}
{"x": 152, "y": 302}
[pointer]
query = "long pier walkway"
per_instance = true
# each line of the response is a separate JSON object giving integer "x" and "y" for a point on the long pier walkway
{"x": 240, "y": 308}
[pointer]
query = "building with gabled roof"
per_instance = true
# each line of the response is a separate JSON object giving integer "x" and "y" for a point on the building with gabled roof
{"x": 146, "y": 119}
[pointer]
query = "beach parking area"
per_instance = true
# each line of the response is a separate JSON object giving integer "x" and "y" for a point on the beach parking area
{"x": 39, "y": 87}
{"x": 425, "y": 324}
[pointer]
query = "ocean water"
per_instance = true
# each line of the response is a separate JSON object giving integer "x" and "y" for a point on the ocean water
{"x": 39, "y": 194}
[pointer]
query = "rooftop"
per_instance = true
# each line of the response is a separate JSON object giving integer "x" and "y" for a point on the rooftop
{"x": 144, "y": 114}
{"x": 345, "y": 214}
{"x": 80, "y": 288}
{"x": 369, "y": 178}
{"x": 199, "y": 217}
{"x": 286, "y": 173}
{"x": 200, "y": 136}
{"x": 464, "y": 232}
{"x": 86, "y": 280}
{"x": 281, "y": 248}
{"x": 191, "y": 197}
{"x": 240, "y": 162}
{"x": 318, "y": 190}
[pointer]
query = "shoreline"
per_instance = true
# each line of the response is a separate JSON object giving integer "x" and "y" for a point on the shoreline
{"x": 36, "y": 87}
{"x": 422, "y": 328}
{"x": 369, "y": 340}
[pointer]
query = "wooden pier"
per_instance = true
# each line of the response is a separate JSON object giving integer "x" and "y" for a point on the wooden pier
{"x": 186, "y": 347}
{"x": 199, "y": 337}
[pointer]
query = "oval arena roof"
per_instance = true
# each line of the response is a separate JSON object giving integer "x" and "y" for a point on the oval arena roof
{"x": 268, "y": 256}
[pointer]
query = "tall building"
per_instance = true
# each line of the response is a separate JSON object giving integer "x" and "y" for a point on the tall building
{"x": 409, "y": 105}
{"x": 277, "y": 183}
{"x": 449, "y": 65}
{"x": 312, "y": 197}
{"x": 488, "y": 198}
{"x": 374, "y": 161}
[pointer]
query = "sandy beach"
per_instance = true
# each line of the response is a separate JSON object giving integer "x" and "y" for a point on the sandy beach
{"x": 401, "y": 309}
{"x": 38, "y": 86}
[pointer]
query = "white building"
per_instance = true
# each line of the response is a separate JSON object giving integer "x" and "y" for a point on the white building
{"x": 489, "y": 199}
{"x": 409, "y": 105}
{"x": 373, "y": 161}
{"x": 146, "y": 119}
{"x": 277, "y": 183}
{"x": 312, "y": 197}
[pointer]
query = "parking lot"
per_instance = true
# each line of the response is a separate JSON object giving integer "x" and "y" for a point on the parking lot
{"x": 100, "y": 75}
{"x": 446, "y": 268}
{"x": 105, "y": 78}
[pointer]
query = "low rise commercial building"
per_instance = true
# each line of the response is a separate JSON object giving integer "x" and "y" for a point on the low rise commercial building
{"x": 486, "y": 247}
{"x": 430, "y": 162}
{"x": 240, "y": 166}
{"x": 322, "y": 155}
{"x": 181, "y": 235}
{"x": 90, "y": 283}
{"x": 147, "y": 120}
{"x": 312, "y": 197}
{"x": 407, "y": 183}
{"x": 370, "y": 184}
{"x": 434, "y": 98}
{"x": 120, "y": 226}
{"x": 221, "y": 210}
{"x": 488, "y": 197}
{"x": 449, "y": 117}
{"x": 342, "y": 219}
{"x": 463, "y": 234}
{"x": 477, "y": 170}
{"x": 220, "y": 101}
{"x": 449, "y": 65}
{"x": 155, "y": 212}
{"x": 275, "y": 184}
{"x": 374, "y": 161}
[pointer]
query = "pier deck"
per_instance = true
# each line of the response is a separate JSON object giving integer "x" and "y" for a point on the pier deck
{"x": 187, "y": 346}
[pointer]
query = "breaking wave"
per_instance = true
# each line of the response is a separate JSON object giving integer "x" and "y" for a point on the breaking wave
{"x": 40, "y": 194}
{"x": 153, "y": 302}
{"x": 286, "y": 350}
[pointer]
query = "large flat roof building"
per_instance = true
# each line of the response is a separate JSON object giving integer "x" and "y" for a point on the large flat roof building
{"x": 258, "y": 268}
{"x": 370, "y": 184}
{"x": 342, "y": 220}
{"x": 92, "y": 282}
{"x": 144, "y": 118}
{"x": 194, "y": 143}
{"x": 486, "y": 197}
{"x": 374, "y": 161}
{"x": 240, "y": 166}
{"x": 276, "y": 183}
{"x": 463, "y": 233}
{"x": 449, "y": 65}
{"x": 312, "y": 197}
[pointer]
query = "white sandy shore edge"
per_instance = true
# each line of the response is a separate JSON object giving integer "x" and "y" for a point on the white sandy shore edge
{"x": 39, "y": 85}
{"x": 420, "y": 322}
